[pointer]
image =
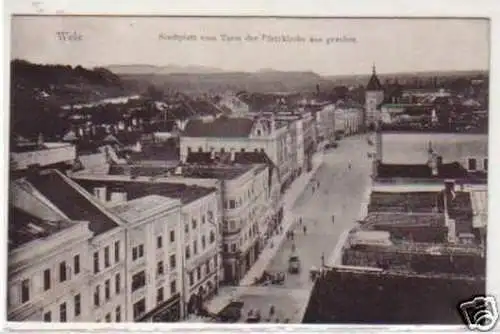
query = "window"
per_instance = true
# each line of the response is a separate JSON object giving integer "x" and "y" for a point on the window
{"x": 107, "y": 289}
{"x": 117, "y": 251}
{"x": 46, "y": 279}
{"x": 472, "y": 164}
{"x": 62, "y": 312}
{"x": 159, "y": 268}
{"x": 212, "y": 237}
{"x": 191, "y": 278}
{"x": 106, "y": 257}
{"x": 25, "y": 290}
{"x": 194, "y": 224}
{"x": 97, "y": 295}
{"x": 137, "y": 252}
{"x": 159, "y": 242}
{"x": 138, "y": 281}
{"x": 62, "y": 271}
{"x": 107, "y": 318}
{"x": 232, "y": 204}
{"x": 195, "y": 247}
{"x": 198, "y": 273}
{"x": 485, "y": 162}
{"x": 189, "y": 149}
{"x": 203, "y": 242}
{"x": 173, "y": 287}
{"x": 188, "y": 253}
{"x": 47, "y": 316}
{"x": 76, "y": 262}
{"x": 226, "y": 249}
{"x": 233, "y": 248}
{"x": 186, "y": 228}
{"x": 117, "y": 283}
{"x": 172, "y": 236}
{"x": 203, "y": 220}
{"x": 118, "y": 314}
{"x": 207, "y": 267}
{"x": 141, "y": 250}
{"x": 172, "y": 261}
{"x": 159, "y": 296}
{"x": 78, "y": 305}
{"x": 96, "y": 262}
{"x": 139, "y": 308}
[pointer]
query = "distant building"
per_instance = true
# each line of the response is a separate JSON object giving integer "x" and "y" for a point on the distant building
{"x": 373, "y": 97}
{"x": 231, "y": 135}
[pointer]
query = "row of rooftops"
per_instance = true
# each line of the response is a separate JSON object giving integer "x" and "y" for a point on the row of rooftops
{"x": 74, "y": 203}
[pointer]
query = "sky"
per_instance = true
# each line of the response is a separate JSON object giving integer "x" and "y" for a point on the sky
{"x": 394, "y": 45}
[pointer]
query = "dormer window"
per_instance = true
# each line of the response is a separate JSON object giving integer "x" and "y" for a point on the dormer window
{"x": 259, "y": 132}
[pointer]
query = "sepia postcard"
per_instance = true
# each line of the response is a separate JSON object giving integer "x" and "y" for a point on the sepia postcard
{"x": 249, "y": 170}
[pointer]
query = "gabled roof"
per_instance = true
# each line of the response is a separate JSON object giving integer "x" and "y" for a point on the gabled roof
{"x": 63, "y": 193}
{"x": 221, "y": 127}
{"x": 139, "y": 189}
{"x": 25, "y": 227}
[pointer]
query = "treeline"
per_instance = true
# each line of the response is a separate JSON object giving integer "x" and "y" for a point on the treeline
{"x": 38, "y": 92}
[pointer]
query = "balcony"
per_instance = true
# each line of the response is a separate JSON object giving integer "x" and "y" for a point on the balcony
{"x": 51, "y": 154}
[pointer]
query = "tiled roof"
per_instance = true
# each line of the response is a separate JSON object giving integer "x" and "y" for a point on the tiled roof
{"x": 452, "y": 170}
{"x": 156, "y": 153}
{"x": 257, "y": 158}
{"x": 387, "y": 219}
{"x": 221, "y": 127}
{"x": 136, "y": 189}
{"x": 142, "y": 207}
{"x": 24, "y": 227}
{"x": 59, "y": 190}
{"x": 422, "y": 202}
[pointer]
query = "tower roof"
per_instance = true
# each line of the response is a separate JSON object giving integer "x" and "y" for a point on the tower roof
{"x": 374, "y": 83}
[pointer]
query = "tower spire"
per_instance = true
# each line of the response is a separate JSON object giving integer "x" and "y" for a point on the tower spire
{"x": 374, "y": 69}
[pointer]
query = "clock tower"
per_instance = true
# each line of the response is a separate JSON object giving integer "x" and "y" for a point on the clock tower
{"x": 374, "y": 95}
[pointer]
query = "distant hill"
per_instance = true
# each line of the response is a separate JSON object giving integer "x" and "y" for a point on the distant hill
{"x": 262, "y": 81}
{"x": 38, "y": 91}
{"x": 169, "y": 69}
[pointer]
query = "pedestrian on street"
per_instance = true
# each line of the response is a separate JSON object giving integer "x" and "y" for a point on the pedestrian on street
{"x": 300, "y": 220}
{"x": 271, "y": 311}
{"x": 291, "y": 235}
{"x": 305, "y": 230}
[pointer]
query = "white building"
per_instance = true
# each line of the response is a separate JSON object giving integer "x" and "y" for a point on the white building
{"x": 238, "y": 134}
{"x": 89, "y": 277}
{"x": 199, "y": 226}
{"x": 154, "y": 254}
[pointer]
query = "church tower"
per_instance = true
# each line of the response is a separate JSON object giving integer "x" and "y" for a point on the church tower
{"x": 374, "y": 95}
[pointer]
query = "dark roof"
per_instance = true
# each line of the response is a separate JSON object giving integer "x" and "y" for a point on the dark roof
{"x": 225, "y": 172}
{"x": 380, "y": 219}
{"x": 128, "y": 138}
{"x": 138, "y": 189}
{"x": 24, "y": 227}
{"x": 257, "y": 158}
{"x": 58, "y": 190}
{"x": 199, "y": 158}
{"x": 445, "y": 171}
{"x": 221, "y": 127}
{"x": 422, "y": 202}
{"x": 156, "y": 153}
{"x": 374, "y": 83}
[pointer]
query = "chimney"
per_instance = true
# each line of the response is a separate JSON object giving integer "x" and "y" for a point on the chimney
{"x": 40, "y": 140}
{"x": 100, "y": 193}
{"x": 118, "y": 197}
